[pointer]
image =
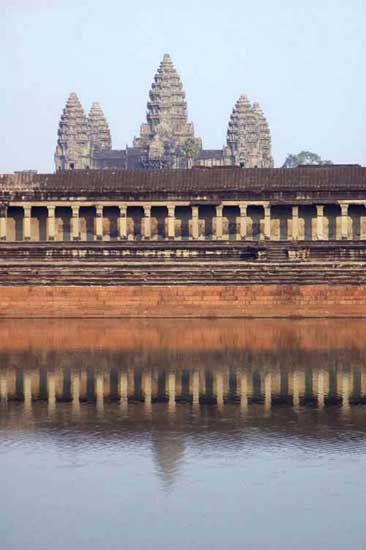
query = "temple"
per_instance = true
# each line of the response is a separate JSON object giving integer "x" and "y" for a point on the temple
{"x": 167, "y": 138}
{"x": 199, "y": 242}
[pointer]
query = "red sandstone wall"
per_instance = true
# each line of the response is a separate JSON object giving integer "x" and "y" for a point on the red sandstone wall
{"x": 184, "y": 301}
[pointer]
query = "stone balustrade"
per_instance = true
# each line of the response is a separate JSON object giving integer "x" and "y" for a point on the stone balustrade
{"x": 252, "y": 221}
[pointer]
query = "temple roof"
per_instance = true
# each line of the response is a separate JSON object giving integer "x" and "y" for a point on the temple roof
{"x": 196, "y": 182}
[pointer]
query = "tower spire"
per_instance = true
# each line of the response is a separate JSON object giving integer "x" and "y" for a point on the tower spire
{"x": 167, "y": 129}
{"x": 73, "y": 147}
{"x": 99, "y": 133}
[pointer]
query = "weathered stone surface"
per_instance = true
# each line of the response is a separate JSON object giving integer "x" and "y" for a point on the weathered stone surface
{"x": 248, "y": 136}
{"x": 261, "y": 301}
{"x": 99, "y": 133}
{"x": 73, "y": 144}
{"x": 167, "y": 133}
{"x": 167, "y": 139}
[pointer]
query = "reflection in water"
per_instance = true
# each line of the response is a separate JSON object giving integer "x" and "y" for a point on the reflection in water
{"x": 196, "y": 399}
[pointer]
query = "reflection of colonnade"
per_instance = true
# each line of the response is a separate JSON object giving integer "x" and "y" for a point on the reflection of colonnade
{"x": 269, "y": 387}
{"x": 229, "y": 220}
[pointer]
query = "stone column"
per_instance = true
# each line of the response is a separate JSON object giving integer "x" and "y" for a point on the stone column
{"x": 267, "y": 392}
{"x": 99, "y": 222}
{"x": 346, "y": 391}
{"x": 344, "y": 224}
{"x": 123, "y": 390}
{"x": 171, "y": 391}
{"x": 51, "y": 389}
{"x": 3, "y": 387}
{"x": 75, "y": 222}
{"x": 319, "y": 222}
{"x": 51, "y": 223}
{"x": 3, "y": 222}
{"x": 146, "y": 383}
{"x": 99, "y": 391}
{"x": 320, "y": 389}
{"x": 27, "y": 209}
{"x": 242, "y": 385}
{"x": 171, "y": 221}
{"x": 195, "y": 387}
{"x": 27, "y": 392}
{"x": 195, "y": 229}
{"x": 147, "y": 222}
{"x": 219, "y": 210}
{"x": 267, "y": 222}
{"x": 243, "y": 220}
{"x": 122, "y": 222}
{"x": 75, "y": 393}
{"x": 295, "y": 223}
{"x": 219, "y": 390}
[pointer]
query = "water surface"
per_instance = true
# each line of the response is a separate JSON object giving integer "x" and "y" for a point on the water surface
{"x": 182, "y": 434}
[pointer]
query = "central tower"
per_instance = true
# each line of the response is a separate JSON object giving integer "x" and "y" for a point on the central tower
{"x": 167, "y": 138}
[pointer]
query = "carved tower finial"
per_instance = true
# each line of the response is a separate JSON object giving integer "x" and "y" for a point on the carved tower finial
{"x": 73, "y": 146}
{"x": 99, "y": 133}
{"x": 265, "y": 140}
{"x": 167, "y": 128}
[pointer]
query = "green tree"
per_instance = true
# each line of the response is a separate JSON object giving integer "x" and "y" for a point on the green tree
{"x": 305, "y": 157}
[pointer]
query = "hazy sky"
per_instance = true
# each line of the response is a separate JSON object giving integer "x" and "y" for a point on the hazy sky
{"x": 304, "y": 62}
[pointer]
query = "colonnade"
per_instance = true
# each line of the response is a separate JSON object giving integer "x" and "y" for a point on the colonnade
{"x": 174, "y": 221}
{"x": 220, "y": 386}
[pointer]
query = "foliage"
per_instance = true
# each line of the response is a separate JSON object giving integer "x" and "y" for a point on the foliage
{"x": 305, "y": 157}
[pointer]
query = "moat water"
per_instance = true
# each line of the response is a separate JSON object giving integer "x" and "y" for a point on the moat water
{"x": 182, "y": 434}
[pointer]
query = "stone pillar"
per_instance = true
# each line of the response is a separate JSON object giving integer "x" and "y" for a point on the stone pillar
{"x": 147, "y": 222}
{"x": 51, "y": 389}
{"x": 171, "y": 221}
{"x": 99, "y": 222}
{"x": 75, "y": 392}
{"x": 267, "y": 392}
{"x": 320, "y": 389}
{"x": 295, "y": 223}
{"x": 3, "y": 386}
{"x": 243, "y": 220}
{"x": 195, "y": 229}
{"x": 146, "y": 386}
{"x": 344, "y": 224}
{"x": 123, "y": 390}
{"x": 242, "y": 384}
{"x": 296, "y": 389}
{"x": 27, "y": 392}
{"x": 320, "y": 222}
{"x": 195, "y": 387}
{"x": 27, "y": 209}
{"x": 51, "y": 225}
{"x": 171, "y": 391}
{"x": 3, "y": 222}
{"x": 219, "y": 390}
{"x": 99, "y": 391}
{"x": 267, "y": 222}
{"x": 122, "y": 222}
{"x": 346, "y": 391}
{"x": 219, "y": 210}
{"x": 75, "y": 222}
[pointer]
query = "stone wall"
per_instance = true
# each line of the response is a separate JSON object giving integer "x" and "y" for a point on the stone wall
{"x": 184, "y": 301}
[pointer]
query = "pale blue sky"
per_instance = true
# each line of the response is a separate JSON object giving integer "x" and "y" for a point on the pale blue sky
{"x": 304, "y": 62}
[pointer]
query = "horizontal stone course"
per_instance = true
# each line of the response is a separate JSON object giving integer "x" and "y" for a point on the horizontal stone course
{"x": 183, "y": 301}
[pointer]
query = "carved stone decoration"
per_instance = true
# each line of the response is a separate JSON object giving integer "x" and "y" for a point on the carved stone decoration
{"x": 167, "y": 128}
{"x": 99, "y": 133}
{"x": 73, "y": 144}
{"x": 248, "y": 137}
{"x": 265, "y": 140}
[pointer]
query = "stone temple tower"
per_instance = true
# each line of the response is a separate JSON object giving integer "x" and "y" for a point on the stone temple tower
{"x": 167, "y": 137}
{"x": 99, "y": 133}
{"x": 248, "y": 137}
{"x": 73, "y": 144}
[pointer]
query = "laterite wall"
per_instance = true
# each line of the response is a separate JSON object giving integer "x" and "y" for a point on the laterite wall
{"x": 183, "y": 301}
